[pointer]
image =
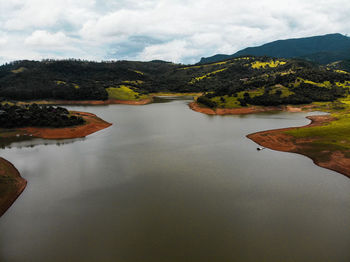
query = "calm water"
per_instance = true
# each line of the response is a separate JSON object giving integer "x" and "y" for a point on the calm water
{"x": 165, "y": 183}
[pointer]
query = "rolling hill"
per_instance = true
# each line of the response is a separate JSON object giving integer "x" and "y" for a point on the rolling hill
{"x": 232, "y": 83}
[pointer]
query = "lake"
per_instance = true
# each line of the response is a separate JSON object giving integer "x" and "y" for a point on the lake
{"x": 165, "y": 183}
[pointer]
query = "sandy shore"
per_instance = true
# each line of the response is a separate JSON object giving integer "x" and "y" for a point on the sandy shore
{"x": 92, "y": 125}
{"x": 11, "y": 185}
{"x": 278, "y": 140}
{"x": 245, "y": 110}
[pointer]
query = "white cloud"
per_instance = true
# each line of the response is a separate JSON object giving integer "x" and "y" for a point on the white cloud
{"x": 172, "y": 51}
{"x": 39, "y": 14}
{"x": 180, "y": 30}
{"x": 41, "y": 39}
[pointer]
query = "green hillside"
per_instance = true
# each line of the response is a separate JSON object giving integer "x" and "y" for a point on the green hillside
{"x": 76, "y": 79}
{"x": 235, "y": 82}
{"x": 271, "y": 82}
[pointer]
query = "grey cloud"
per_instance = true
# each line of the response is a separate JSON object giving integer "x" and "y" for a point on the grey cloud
{"x": 176, "y": 30}
{"x": 133, "y": 45}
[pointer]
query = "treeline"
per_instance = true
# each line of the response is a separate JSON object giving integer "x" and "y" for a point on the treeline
{"x": 82, "y": 80}
{"x": 66, "y": 79}
{"x": 303, "y": 94}
{"x": 12, "y": 116}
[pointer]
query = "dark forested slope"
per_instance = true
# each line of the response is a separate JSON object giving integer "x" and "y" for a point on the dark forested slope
{"x": 278, "y": 81}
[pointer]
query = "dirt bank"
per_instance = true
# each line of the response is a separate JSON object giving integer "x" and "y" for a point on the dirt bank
{"x": 245, "y": 110}
{"x": 11, "y": 185}
{"x": 278, "y": 140}
{"x": 92, "y": 125}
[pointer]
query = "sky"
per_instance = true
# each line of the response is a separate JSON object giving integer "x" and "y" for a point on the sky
{"x": 180, "y": 31}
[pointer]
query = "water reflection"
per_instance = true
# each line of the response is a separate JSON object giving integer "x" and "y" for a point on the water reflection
{"x": 23, "y": 142}
{"x": 167, "y": 99}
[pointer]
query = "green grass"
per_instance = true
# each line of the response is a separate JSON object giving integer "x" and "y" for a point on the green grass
{"x": 196, "y": 79}
{"x": 138, "y": 72}
{"x": 326, "y": 84}
{"x": 345, "y": 85}
{"x": 63, "y": 83}
{"x": 271, "y": 63}
{"x": 334, "y": 135}
{"x": 341, "y": 71}
{"x": 232, "y": 102}
{"x": 124, "y": 93}
{"x": 133, "y": 82}
{"x": 59, "y": 82}
{"x": 285, "y": 90}
{"x": 19, "y": 70}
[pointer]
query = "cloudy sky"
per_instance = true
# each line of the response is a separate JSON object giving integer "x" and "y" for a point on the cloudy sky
{"x": 173, "y": 30}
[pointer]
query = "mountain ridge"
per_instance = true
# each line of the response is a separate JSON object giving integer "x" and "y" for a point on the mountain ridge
{"x": 333, "y": 47}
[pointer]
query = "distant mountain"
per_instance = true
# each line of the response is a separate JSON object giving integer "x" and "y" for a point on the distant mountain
{"x": 323, "y": 49}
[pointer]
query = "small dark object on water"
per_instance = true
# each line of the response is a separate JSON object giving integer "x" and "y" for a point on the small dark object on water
{"x": 260, "y": 148}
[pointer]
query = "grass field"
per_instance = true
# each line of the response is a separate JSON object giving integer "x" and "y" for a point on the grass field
{"x": 272, "y": 63}
{"x": 332, "y": 136}
{"x": 124, "y": 92}
{"x": 233, "y": 101}
{"x": 196, "y": 79}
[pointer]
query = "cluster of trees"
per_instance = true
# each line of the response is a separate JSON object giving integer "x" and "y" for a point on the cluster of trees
{"x": 12, "y": 116}
{"x": 301, "y": 96}
{"x": 204, "y": 100}
{"x": 62, "y": 79}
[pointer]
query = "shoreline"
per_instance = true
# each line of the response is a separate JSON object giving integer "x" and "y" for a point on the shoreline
{"x": 92, "y": 124}
{"x": 9, "y": 196}
{"x": 278, "y": 140}
{"x": 244, "y": 110}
